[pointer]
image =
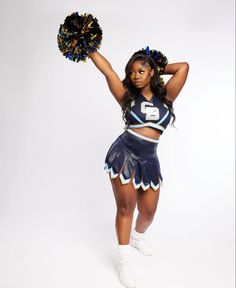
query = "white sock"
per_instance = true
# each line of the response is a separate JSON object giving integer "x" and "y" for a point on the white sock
{"x": 123, "y": 253}
{"x": 123, "y": 249}
{"x": 137, "y": 235}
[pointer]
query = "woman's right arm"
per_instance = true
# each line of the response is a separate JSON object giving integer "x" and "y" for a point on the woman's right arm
{"x": 114, "y": 83}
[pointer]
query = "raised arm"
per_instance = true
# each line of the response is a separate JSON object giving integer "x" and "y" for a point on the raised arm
{"x": 114, "y": 83}
{"x": 176, "y": 82}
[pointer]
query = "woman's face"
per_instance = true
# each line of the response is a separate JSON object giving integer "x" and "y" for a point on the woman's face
{"x": 141, "y": 74}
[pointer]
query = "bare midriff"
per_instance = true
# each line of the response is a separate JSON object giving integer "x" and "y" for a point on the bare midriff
{"x": 147, "y": 131}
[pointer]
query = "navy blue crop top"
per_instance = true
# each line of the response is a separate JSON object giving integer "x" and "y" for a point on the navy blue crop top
{"x": 152, "y": 113}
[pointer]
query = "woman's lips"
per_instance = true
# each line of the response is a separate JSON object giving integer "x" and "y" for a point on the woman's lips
{"x": 137, "y": 83}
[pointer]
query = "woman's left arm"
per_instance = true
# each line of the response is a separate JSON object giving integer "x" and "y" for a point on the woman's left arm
{"x": 176, "y": 82}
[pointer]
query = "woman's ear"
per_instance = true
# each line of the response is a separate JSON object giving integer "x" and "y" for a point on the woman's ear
{"x": 152, "y": 72}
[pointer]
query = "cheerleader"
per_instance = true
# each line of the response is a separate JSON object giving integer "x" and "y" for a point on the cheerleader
{"x": 131, "y": 161}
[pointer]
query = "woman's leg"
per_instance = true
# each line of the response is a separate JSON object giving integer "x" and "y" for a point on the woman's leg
{"x": 126, "y": 198}
{"x": 147, "y": 204}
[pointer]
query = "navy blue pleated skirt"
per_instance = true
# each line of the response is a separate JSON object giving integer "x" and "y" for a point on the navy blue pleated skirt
{"x": 133, "y": 157}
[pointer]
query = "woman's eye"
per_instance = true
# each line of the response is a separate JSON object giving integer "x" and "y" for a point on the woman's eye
{"x": 132, "y": 73}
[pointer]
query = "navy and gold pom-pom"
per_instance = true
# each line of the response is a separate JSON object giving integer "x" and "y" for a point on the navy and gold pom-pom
{"x": 78, "y": 36}
{"x": 160, "y": 59}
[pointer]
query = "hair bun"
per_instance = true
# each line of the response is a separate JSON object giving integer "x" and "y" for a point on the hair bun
{"x": 159, "y": 58}
{"x": 78, "y": 36}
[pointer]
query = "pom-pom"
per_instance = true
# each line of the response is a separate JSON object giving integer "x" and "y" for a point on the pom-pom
{"x": 159, "y": 58}
{"x": 78, "y": 36}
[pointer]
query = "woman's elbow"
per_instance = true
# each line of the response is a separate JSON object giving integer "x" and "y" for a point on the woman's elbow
{"x": 186, "y": 65}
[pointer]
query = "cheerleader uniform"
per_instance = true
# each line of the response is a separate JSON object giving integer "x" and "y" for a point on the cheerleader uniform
{"x": 132, "y": 155}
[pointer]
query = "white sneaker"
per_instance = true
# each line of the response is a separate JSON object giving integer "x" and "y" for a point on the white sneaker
{"x": 141, "y": 245}
{"x": 126, "y": 275}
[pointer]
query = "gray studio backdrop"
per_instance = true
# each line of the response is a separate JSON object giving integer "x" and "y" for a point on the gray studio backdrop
{"x": 58, "y": 119}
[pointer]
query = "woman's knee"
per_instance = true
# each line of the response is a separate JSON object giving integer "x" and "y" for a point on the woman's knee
{"x": 125, "y": 208}
{"x": 148, "y": 213}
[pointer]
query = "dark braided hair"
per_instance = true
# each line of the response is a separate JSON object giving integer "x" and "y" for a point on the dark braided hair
{"x": 156, "y": 84}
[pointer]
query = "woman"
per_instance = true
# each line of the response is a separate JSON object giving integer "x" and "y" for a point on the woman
{"x": 131, "y": 160}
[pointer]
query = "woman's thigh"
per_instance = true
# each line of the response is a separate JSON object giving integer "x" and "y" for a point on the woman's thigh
{"x": 147, "y": 200}
{"x": 125, "y": 194}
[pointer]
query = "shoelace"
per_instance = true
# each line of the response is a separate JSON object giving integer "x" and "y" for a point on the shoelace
{"x": 142, "y": 241}
{"x": 125, "y": 269}
{"x": 124, "y": 260}
{"x": 124, "y": 263}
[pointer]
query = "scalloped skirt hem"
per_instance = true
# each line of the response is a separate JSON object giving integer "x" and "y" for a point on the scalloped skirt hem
{"x": 134, "y": 159}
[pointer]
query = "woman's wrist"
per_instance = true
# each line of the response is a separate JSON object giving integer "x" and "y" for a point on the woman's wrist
{"x": 161, "y": 70}
{"x": 92, "y": 54}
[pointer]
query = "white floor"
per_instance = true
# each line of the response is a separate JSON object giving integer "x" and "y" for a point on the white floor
{"x": 61, "y": 249}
